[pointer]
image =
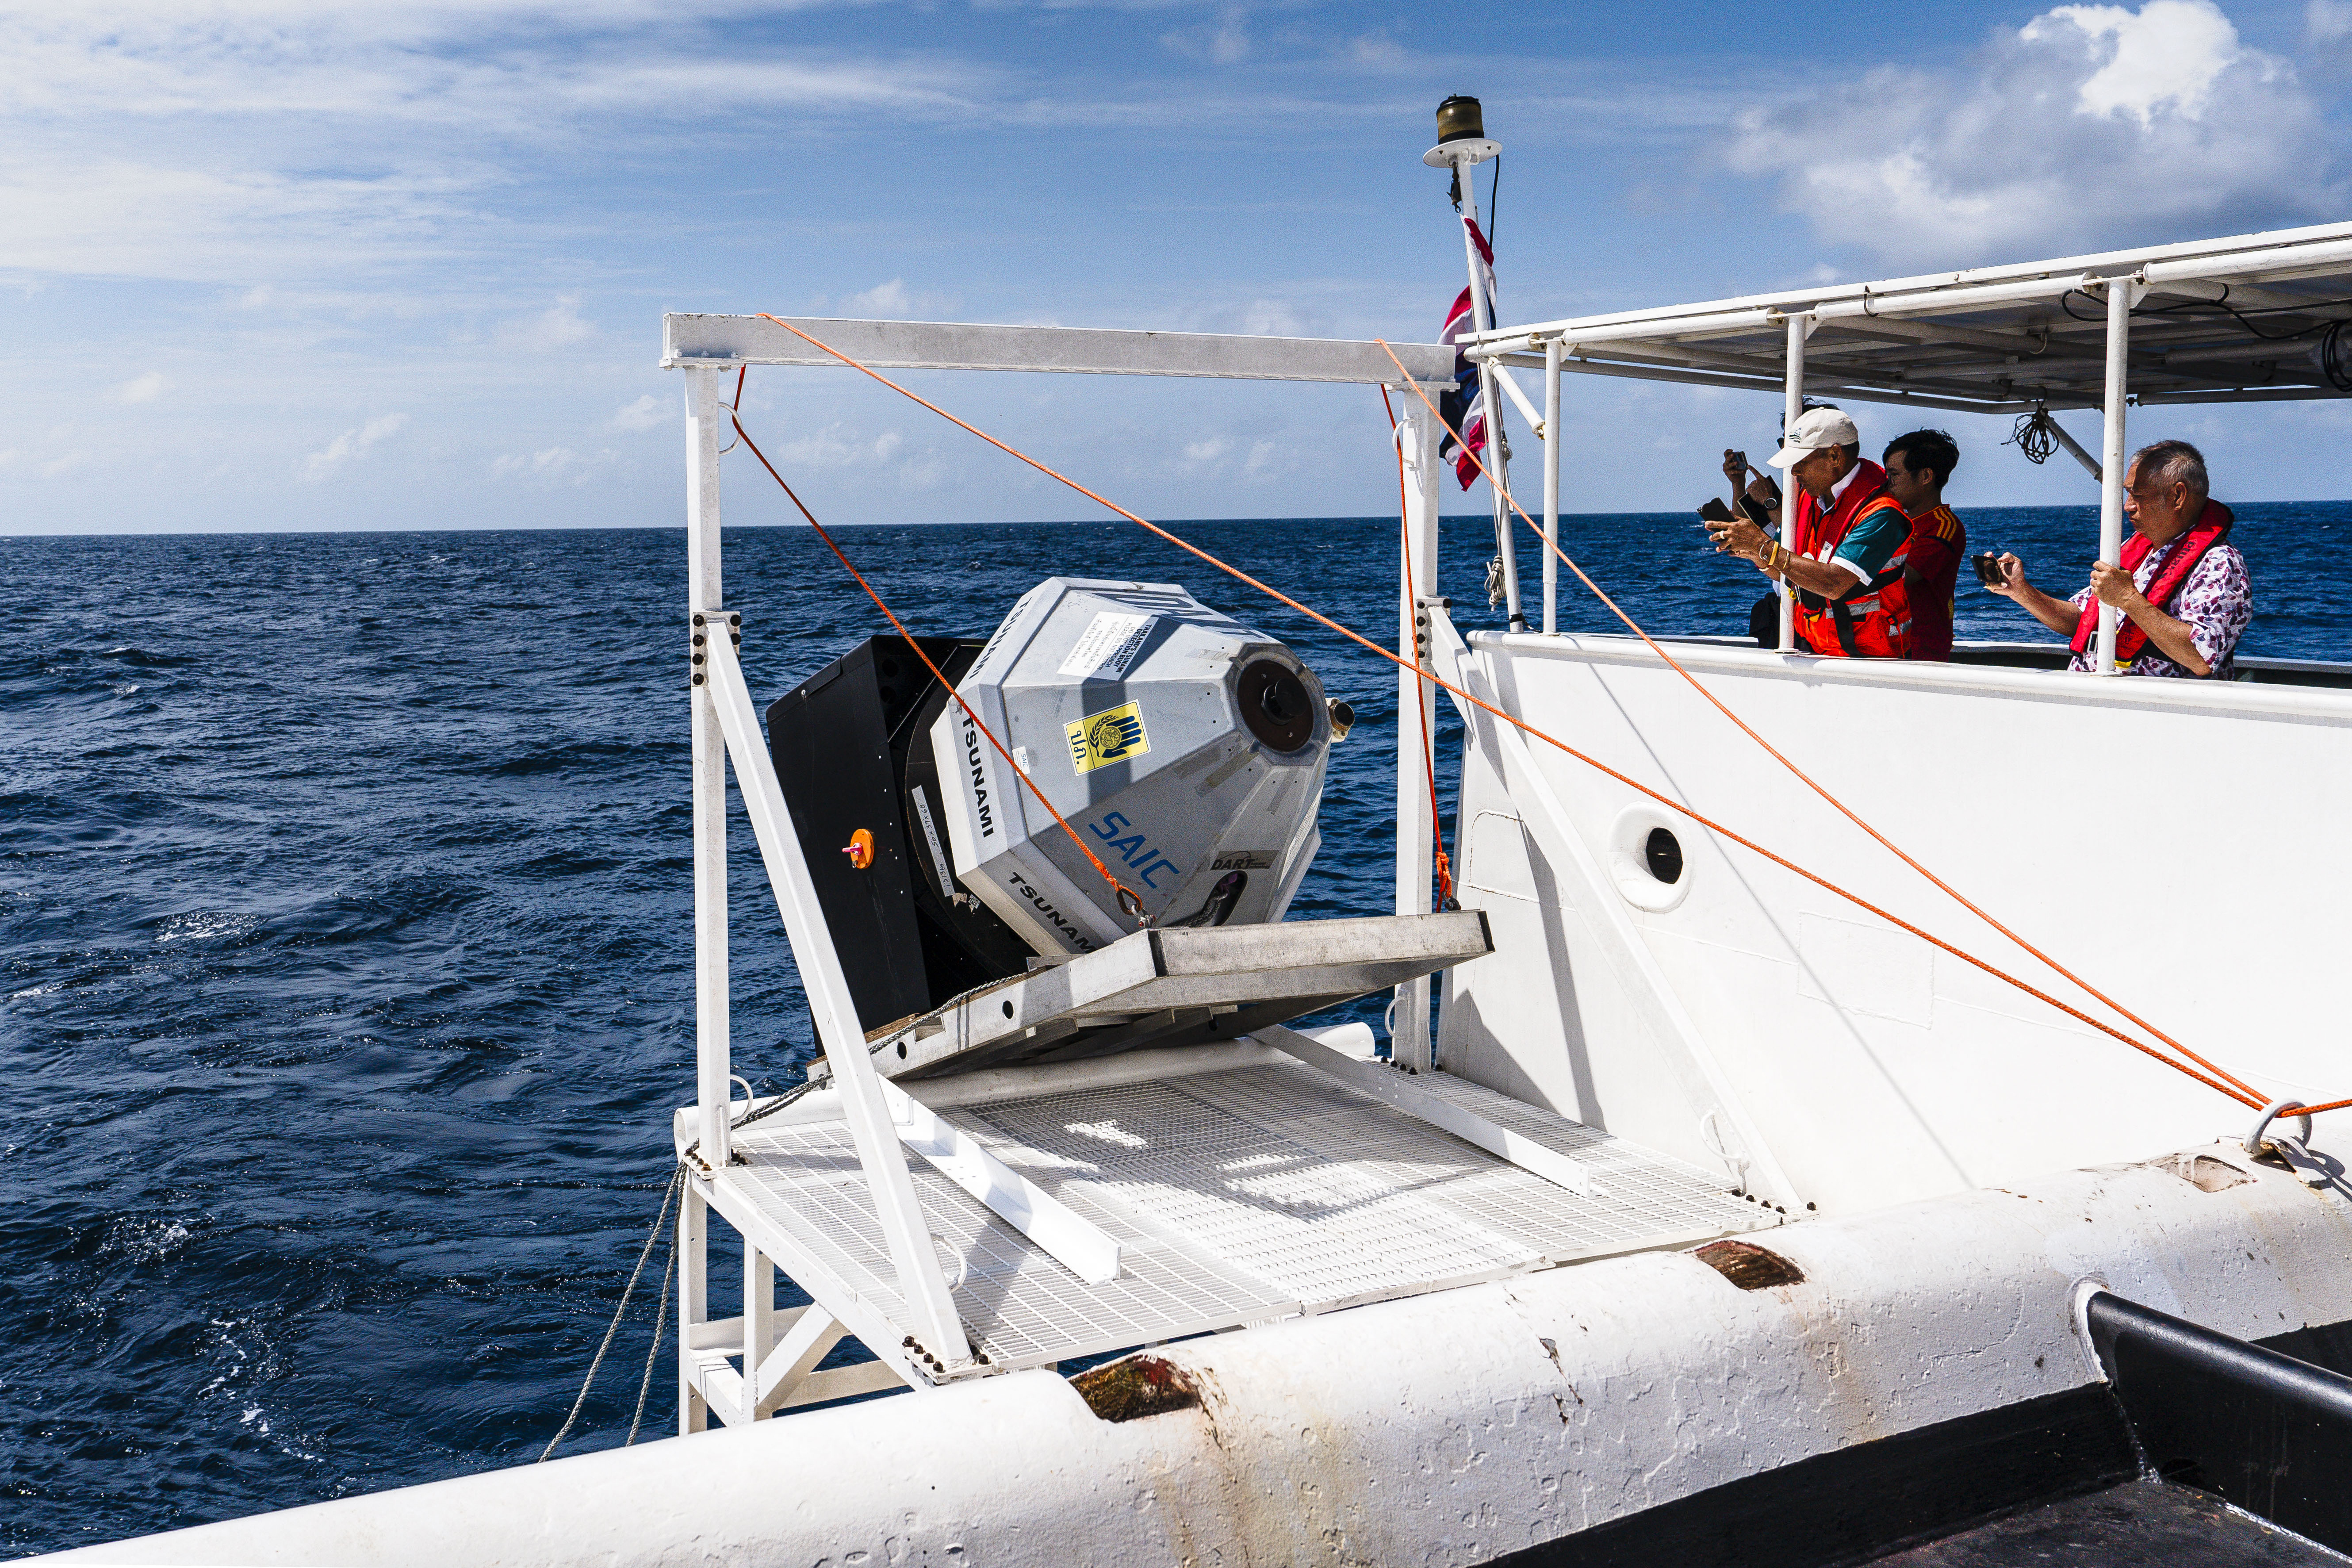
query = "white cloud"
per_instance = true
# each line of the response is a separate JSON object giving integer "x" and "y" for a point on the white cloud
{"x": 836, "y": 445}
{"x": 213, "y": 140}
{"x": 351, "y": 445}
{"x": 882, "y": 299}
{"x": 645, "y": 414}
{"x": 552, "y": 465}
{"x": 1207, "y": 451}
{"x": 141, "y": 388}
{"x": 1226, "y": 41}
{"x": 895, "y": 301}
{"x": 2090, "y": 126}
{"x": 556, "y": 327}
{"x": 2167, "y": 55}
{"x": 2327, "y": 21}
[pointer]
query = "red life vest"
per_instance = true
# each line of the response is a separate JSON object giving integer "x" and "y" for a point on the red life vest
{"x": 1873, "y": 620}
{"x": 2213, "y": 526}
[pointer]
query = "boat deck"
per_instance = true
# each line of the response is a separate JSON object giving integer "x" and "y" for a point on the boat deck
{"x": 1250, "y": 1189}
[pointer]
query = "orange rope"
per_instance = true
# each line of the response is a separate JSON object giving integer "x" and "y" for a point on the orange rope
{"x": 1128, "y": 899}
{"x": 2244, "y": 1095}
{"x": 1419, "y": 693}
{"x": 1965, "y": 902}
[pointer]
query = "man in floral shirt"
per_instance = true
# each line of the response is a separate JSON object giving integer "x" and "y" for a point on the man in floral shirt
{"x": 2181, "y": 587}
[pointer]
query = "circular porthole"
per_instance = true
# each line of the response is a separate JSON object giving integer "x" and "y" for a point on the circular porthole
{"x": 1662, "y": 853}
{"x": 1647, "y": 858}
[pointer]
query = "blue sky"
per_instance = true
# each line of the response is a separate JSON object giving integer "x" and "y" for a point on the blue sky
{"x": 274, "y": 265}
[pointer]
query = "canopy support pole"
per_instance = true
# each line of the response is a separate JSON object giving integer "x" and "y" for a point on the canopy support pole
{"x": 1792, "y": 403}
{"x": 1552, "y": 487}
{"x": 2120, "y": 294}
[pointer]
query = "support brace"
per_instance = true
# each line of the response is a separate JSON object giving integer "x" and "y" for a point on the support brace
{"x": 922, "y": 1281}
{"x": 1078, "y": 1245}
{"x": 1386, "y": 1084}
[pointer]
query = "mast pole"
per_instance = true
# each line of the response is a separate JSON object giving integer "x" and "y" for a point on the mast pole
{"x": 1482, "y": 316}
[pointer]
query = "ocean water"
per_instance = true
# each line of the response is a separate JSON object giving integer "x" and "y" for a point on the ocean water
{"x": 345, "y": 946}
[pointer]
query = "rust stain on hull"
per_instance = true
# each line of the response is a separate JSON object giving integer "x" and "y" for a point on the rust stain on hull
{"x": 1135, "y": 1386}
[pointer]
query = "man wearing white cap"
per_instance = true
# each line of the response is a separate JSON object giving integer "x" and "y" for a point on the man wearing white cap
{"x": 1847, "y": 542}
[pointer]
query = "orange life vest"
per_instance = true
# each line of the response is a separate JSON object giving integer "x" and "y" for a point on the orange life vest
{"x": 1873, "y": 620}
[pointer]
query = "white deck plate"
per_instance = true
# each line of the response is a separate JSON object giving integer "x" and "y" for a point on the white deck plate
{"x": 1237, "y": 1196}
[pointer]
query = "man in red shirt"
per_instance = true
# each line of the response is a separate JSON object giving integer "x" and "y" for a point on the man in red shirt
{"x": 1918, "y": 466}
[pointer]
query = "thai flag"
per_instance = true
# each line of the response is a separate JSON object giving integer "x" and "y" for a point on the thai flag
{"x": 1465, "y": 407}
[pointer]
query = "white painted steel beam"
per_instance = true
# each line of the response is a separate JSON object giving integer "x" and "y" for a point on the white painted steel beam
{"x": 693, "y": 1305}
{"x": 920, "y": 1281}
{"x": 729, "y": 340}
{"x": 841, "y": 1383}
{"x": 712, "y": 1050}
{"x": 1394, "y": 1089}
{"x": 759, "y": 1325}
{"x": 1417, "y": 439}
{"x": 1078, "y": 1245}
{"x": 808, "y": 1337}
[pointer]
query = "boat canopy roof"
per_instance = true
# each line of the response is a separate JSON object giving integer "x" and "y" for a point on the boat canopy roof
{"x": 2252, "y": 318}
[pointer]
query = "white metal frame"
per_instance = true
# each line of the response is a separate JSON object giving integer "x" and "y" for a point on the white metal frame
{"x": 780, "y": 1351}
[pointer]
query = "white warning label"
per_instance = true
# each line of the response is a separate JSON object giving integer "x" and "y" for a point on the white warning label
{"x": 1108, "y": 646}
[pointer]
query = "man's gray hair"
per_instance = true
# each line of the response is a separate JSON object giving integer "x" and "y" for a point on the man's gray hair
{"x": 2171, "y": 463}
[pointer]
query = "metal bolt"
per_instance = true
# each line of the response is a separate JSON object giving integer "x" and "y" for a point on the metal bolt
{"x": 697, "y": 620}
{"x": 698, "y": 658}
{"x": 697, "y": 677}
{"x": 699, "y": 639}
{"x": 734, "y": 620}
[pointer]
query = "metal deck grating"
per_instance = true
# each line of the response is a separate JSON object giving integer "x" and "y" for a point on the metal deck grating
{"x": 1236, "y": 1196}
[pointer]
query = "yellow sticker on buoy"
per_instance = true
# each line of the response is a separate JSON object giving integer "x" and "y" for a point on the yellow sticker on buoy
{"x": 1100, "y": 740}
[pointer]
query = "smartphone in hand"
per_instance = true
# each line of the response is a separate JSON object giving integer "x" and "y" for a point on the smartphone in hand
{"x": 1714, "y": 510}
{"x": 1988, "y": 570}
